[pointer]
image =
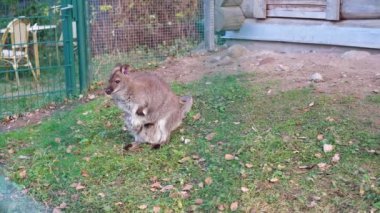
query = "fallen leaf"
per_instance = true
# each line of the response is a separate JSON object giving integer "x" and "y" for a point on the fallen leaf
{"x": 87, "y": 159}
{"x": 69, "y": 149}
{"x": 244, "y": 189}
{"x": 312, "y": 204}
{"x": 327, "y": 147}
{"x": 142, "y": 207}
{"x": 221, "y": 207}
{"x": 320, "y": 137}
{"x": 119, "y": 203}
{"x": 56, "y": 210}
{"x": 311, "y": 104}
{"x": 101, "y": 194}
{"x": 197, "y": 116}
{"x": 229, "y": 157}
{"x": 57, "y": 140}
{"x": 249, "y": 165}
{"x": 22, "y": 174}
{"x": 323, "y": 166}
{"x": 108, "y": 124}
{"x": 167, "y": 188}
{"x": 183, "y": 160}
{"x": 153, "y": 179}
{"x": 77, "y": 186}
{"x": 79, "y": 122}
{"x": 330, "y": 119}
{"x": 210, "y": 136}
{"x": 84, "y": 173}
{"x": 187, "y": 187}
{"x": 91, "y": 96}
{"x": 11, "y": 151}
{"x": 156, "y": 209}
{"x": 234, "y": 206}
{"x": 200, "y": 185}
{"x": 198, "y": 201}
{"x": 208, "y": 181}
{"x": 156, "y": 185}
{"x": 306, "y": 166}
{"x": 274, "y": 180}
{"x": 318, "y": 155}
{"x": 335, "y": 158}
{"x": 361, "y": 190}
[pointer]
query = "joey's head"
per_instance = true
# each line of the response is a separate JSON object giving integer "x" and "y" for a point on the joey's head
{"x": 118, "y": 79}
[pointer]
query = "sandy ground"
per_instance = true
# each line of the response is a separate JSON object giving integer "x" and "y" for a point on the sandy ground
{"x": 352, "y": 72}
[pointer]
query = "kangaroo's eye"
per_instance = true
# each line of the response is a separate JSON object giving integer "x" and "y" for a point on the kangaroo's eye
{"x": 117, "y": 81}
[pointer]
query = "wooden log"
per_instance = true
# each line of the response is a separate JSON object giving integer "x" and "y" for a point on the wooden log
{"x": 352, "y": 33}
{"x": 259, "y": 9}
{"x": 363, "y": 9}
{"x": 247, "y": 8}
{"x": 298, "y": 2}
{"x": 296, "y": 14}
{"x": 333, "y": 10}
{"x": 228, "y": 3}
{"x": 228, "y": 18}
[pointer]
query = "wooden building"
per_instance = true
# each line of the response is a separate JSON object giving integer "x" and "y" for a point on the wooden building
{"x": 354, "y": 23}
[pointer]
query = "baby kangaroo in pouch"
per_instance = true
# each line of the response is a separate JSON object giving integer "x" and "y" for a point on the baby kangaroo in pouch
{"x": 152, "y": 111}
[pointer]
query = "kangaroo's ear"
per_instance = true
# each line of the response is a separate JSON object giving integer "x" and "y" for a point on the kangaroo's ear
{"x": 125, "y": 69}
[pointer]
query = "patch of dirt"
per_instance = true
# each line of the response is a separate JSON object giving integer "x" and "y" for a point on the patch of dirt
{"x": 354, "y": 73}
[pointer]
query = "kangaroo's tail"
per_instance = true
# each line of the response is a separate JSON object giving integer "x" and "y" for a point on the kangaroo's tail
{"x": 187, "y": 103}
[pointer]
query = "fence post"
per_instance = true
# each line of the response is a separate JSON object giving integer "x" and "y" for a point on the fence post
{"x": 68, "y": 50}
{"x": 209, "y": 11}
{"x": 82, "y": 44}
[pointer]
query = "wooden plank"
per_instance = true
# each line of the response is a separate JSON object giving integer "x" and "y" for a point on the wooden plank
{"x": 307, "y": 2}
{"x": 363, "y": 9}
{"x": 333, "y": 10}
{"x": 296, "y": 14}
{"x": 228, "y": 18}
{"x": 259, "y": 9}
{"x": 228, "y": 3}
{"x": 307, "y": 8}
{"x": 247, "y": 8}
{"x": 353, "y": 33}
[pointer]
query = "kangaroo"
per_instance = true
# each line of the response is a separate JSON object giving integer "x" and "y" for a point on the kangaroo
{"x": 152, "y": 110}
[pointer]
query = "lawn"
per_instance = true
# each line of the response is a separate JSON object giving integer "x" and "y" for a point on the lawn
{"x": 240, "y": 148}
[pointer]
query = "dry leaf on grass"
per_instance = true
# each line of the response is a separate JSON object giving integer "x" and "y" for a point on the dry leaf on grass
{"x": 229, "y": 157}
{"x": 142, "y": 207}
{"x": 185, "y": 159}
{"x": 221, "y": 207}
{"x": 234, "y": 206}
{"x": 22, "y": 173}
{"x": 187, "y": 187}
{"x": 84, "y": 173}
{"x": 167, "y": 188}
{"x": 210, "y": 136}
{"x": 57, "y": 140}
{"x": 244, "y": 189}
{"x": 248, "y": 165}
{"x": 327, "y": 147}
{"x": 208, "y": 181}
{"x": 335, "y": 158}
{"x": 318, "y": 155}
{"x": 79, "y": 122}
{"x": 156, "y": 209}
{"x": 323, "y": 166}
{"x": 197, "y": 116}
{"x": 320, "y": 137}
{"x": 101, "y": 194}
{"x": 198, "y": 201}
{"x": 274, "y": 180}
{"x": 77, "y": 186}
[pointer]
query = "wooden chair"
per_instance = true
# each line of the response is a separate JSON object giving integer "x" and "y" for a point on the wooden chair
{"x": 18, "y": 54}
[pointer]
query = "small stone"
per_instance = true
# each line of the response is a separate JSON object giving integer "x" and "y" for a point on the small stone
{"x": 316, "y": 77}
{"x": 236, "y": 51}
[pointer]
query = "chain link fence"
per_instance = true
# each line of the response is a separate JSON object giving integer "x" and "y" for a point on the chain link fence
{"x": 31, "y": 55}
{"x": 142, "y": 33}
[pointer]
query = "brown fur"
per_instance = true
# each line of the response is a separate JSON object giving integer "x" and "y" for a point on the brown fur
{"x": 152, "y": 110}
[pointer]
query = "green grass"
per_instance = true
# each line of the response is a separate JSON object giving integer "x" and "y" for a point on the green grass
{"x": 276, "y": 134}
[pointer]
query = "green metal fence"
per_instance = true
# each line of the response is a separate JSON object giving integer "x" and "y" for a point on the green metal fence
{"x": 39, "y": 57}
{"x": 69, "y": 43}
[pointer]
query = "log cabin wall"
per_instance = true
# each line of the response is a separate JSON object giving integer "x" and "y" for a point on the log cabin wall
{"x": 302, "y": 21}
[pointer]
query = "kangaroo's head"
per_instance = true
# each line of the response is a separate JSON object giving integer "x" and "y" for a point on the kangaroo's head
{"x": 118, "y": 79}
